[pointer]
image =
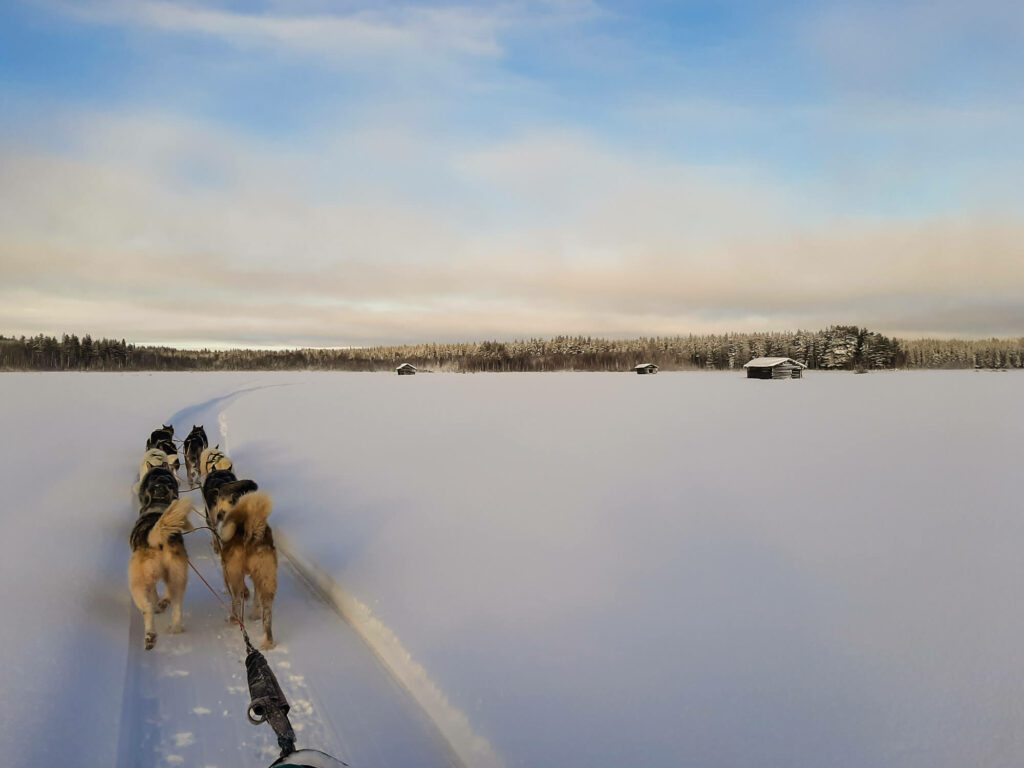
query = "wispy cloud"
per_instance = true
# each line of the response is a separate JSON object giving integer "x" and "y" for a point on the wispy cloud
{"x": 302, "y": 172}
{"x": 361, "y": 33}
{"x": 369, "y": 29}
{"x": 602, "y": 243}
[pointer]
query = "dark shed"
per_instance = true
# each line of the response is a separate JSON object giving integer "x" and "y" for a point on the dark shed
{"x": 774, "y": 368}
{"x": 646, "y": 368}
{"x": 406, "y": 369}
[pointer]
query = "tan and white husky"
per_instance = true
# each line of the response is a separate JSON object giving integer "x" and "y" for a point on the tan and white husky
{"x": 247, "y": 549}
{"x": 158, "y": 554}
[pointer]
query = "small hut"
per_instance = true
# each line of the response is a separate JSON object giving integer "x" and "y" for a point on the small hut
{"x": 774, "y": 368}
{"x": 646, "y": 368}
{"x": 406, "y": 369}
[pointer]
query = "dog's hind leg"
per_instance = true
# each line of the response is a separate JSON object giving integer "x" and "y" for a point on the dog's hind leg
{"x": 256, "y": 612}
{"x": 268, "y": 632}
{"x": 264, "y": 581}
{"x": 234, "y": 580}
{"x": 161, "y": 603}
{"x": 146, "y": 608}
{"x": 176, "y": 580}
{"x": 140, "y": 584}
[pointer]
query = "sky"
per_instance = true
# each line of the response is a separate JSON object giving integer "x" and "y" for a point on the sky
{"x": 313, "y": 173}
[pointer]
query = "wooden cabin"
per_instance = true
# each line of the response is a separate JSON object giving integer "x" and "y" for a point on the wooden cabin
{"x": 406, "y": 369}
{"x": 646, "y": 368}
{"x": 774, "y": 368}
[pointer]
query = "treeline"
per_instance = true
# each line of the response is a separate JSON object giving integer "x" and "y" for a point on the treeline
{"x": 988, "y": 353}
{"x": 840, "y": 347}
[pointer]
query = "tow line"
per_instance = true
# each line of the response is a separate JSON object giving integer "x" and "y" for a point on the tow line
{"x": 267, "y": 702}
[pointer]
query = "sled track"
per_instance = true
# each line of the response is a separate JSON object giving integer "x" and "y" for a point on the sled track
{"x": 184, "y": 702}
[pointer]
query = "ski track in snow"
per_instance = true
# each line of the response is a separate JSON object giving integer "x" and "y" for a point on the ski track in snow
{"x": 185, "y": 701}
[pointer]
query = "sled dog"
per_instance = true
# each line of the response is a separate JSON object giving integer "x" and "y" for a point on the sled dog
{"x": 211, "y": 485}
{"x": 214, "y": 458}
{"x": 166, "y": 432}
{"x": 193, "y": 448}
{"x": 158, "y": 487}
{"x": 154, "y": 457}
{"x": 158, "y": 554}
{"x": 247, "y": 549}
{"x": 163, "y": 439}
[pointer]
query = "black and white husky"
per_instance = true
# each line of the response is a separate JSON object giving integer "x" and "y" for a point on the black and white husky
{"x": 159, "y": 486}
{"x": 211, "y": 490}
{"x": 193, "y": 448}
{"x": 163, "y": 439}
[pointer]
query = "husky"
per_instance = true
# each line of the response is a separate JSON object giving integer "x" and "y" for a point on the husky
{"x": 163, "y": 439}
{"x": 193, "y": 447}
{"x": 247, "y": 549}
{"x": 211, "y": 486}
{"x": 159, "y": 486}
{"x": 214, "y": 458}
{"x": 158, "y": 554}
{"x": 152, "y": 458}
{"x": 166, "y": 432}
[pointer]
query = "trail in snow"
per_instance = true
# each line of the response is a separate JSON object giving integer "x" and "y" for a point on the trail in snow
{"x": 185, "y": 702}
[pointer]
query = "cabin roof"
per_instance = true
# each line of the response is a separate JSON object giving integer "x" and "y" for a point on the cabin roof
{"x": 406, "y": 365}
{"x": 645, "y": 365}
{"x": 771, "y": 362}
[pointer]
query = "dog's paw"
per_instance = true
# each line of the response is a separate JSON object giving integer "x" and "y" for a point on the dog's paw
{"x": 161, "y": 605}
{"x": 177, "y": 629}
{"x": 150, "y": 641}
{"x": 267, "y": 645}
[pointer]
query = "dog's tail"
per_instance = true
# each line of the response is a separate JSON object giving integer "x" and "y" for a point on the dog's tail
{"x": 173, "y": 520}
{"x": 251, "y": 511}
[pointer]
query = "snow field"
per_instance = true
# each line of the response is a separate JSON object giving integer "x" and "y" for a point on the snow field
{"x": 603, "y": 569}
{"x": 686, "y": 569}
{"x": 79, "y": 689}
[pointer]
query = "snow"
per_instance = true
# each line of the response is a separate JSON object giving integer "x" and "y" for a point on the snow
{"x": 78, "y": 688}
{"x": 771, "y": 362}
{"x": 558, "y": 569}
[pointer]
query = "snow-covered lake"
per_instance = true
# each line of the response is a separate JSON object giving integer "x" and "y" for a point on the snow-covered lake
{"x": 688, "y": 569}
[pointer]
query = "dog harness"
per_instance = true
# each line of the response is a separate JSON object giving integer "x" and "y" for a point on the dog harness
{"x": 212, "y": 460}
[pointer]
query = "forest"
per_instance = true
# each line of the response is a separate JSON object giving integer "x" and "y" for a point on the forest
{"x": 839, "y": 347}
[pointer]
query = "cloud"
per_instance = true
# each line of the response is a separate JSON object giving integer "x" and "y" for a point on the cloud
{"x": 123, "y": 242}
{"x": 367, "y": 30}
{"x": 388, "y": 30}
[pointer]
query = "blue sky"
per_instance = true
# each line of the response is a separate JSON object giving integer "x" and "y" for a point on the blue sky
{"x": 352, "y": 173}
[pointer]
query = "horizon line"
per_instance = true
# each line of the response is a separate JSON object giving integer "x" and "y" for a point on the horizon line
{"x": 225, "y": 346}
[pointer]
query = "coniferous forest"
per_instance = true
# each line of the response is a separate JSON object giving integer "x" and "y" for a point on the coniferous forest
{"x": 839, "y": 347}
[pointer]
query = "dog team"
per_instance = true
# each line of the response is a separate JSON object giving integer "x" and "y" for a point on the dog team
{"x": 236, "y": 514}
